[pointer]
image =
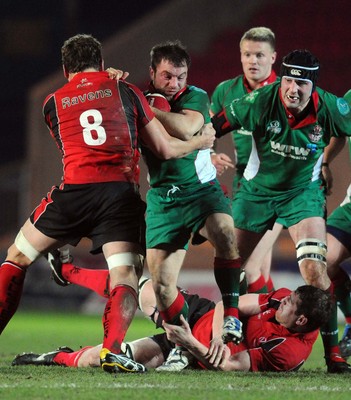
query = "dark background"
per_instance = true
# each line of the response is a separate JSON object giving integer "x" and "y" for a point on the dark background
{"x": 32, "y": 33}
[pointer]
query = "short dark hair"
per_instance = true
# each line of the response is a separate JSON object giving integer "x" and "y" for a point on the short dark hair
{"x": 81, "y": 52}
{"x": 315, "y": 304}
{"x": 172, "y": 51}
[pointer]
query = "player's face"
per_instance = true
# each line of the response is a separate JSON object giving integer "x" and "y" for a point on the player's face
{"x": 295, "y": 93}
{"x": 286, "y": 313}
{"x": 168, "y": 79}
{"x": 257, "y": 59}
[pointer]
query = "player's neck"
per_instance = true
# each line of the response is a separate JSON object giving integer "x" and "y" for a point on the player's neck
{"x": 71, "y": 75}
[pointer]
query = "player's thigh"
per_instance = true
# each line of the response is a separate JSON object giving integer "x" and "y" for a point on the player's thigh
{"x": 165, "y": 225}
{"x": 253, "y": 213}
{"x": 313, "y": 227}
{"x": 31, "y": 236}
{"x": 218, "y": 225}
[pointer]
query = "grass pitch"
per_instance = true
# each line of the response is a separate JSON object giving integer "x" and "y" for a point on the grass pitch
{"x": 42, "y": 332}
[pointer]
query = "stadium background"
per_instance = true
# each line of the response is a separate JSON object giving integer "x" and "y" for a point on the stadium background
{"x": 32, "y": 34}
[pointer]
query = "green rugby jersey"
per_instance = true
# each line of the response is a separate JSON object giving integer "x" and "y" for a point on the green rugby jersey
{"x": 224, "y": 93}
{"x": 285, "y": 158}
{"x": 195, "y": 167}
{"x": 347, "y": 199}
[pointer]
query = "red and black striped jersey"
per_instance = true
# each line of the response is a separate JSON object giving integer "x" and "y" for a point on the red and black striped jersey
{"x": 95, "y": 122}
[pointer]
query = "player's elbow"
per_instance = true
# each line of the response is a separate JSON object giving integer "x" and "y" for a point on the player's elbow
{"x": 166, "y": 153}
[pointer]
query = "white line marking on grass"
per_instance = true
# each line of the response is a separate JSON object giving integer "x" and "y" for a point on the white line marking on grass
{"x": 116, "y": 385}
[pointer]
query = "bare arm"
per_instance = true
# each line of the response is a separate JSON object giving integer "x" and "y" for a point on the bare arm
{"x": 248, "y": 304}
{"x": 183, "y": 125}
{"x": 182, "y": 335}
{"x": 165, "y": 146}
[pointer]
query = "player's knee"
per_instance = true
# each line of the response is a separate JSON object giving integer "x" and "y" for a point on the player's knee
{"x": 224, "y": 241}
{"x": 128, "y": 259}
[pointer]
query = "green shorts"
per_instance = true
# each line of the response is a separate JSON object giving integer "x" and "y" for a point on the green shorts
{"x": 174, "y": 213}
{"x": 256, "y": 211}
{"x": 339, "y": 224}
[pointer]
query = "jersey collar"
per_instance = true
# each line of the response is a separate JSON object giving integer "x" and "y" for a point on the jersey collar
{"x": 272, "y": 78}
{"x": 309, "y": 119}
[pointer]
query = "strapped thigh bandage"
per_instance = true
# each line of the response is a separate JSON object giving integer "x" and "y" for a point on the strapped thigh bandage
{"x": 122, "y": 259}
{"x": 311, "y": 249}
{"x": 26, "y": 248}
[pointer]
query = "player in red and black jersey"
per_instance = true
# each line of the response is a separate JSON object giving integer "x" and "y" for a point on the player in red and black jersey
{"x": 280, "y": 329}
{"x": 98, "y": 124}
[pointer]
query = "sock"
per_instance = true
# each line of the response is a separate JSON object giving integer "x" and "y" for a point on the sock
{"x": 227, "y": 275}
{"x": 118, "y": 315}
{"x": 11, "y": 287}
{"x": 70, "y": 359}
{"x": 243, "y": 284}
{"x": 269, "y": 284}
{"x": 259, "y": 286}
{"x": 94, "y": 279}
{"x": 341, "y": 284}
{"x": 330, "y": 334}
{"x": 179, "y": 307}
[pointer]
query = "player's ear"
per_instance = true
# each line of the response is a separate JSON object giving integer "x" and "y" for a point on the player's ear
{"x": 274, "y": 57}
{"x": 301, "y": 320}
{"x": 152, "y": 73}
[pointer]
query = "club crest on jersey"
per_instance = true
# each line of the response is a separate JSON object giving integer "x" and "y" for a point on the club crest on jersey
{"x": 274, "y": 127}
{"x": 316, "y": 135}
{"x": 343, "y": 106}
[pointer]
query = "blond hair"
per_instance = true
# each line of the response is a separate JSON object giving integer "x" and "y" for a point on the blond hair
{"x": 260, "y": 34}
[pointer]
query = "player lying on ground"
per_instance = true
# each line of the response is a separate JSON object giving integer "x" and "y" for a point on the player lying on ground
{"x": 280, "y": 329}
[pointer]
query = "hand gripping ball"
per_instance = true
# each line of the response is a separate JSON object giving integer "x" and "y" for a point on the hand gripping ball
{"x": 158, "y": 101}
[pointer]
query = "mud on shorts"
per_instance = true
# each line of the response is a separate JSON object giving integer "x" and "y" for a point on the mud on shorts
{"x": 256, "y": 211}
{"x": 103, "y": 212}
{"x": 174, "y": 213}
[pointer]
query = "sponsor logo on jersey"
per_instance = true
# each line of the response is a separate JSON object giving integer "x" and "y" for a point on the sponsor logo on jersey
{"x": 316, "y": 135}
{"x": 83, "y": 83}
{"x": 274, "y": 127}
{"x": 343, "y": 106}
{"x": 251, "y": 97}
{"x": 289, "y": 151}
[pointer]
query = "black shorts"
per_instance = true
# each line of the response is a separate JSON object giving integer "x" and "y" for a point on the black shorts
{"x": 103, "y": 212}
{"x": 198, "y": 306}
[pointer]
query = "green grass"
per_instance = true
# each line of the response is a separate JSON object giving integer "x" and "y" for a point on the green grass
{"x": 41, "y": 332}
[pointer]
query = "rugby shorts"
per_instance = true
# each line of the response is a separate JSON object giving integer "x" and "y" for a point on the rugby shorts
{"x": 339, "y": 225}
{"x": 103, "y": 212}
{"x": 175, "y": 213}
{"x": 256, "y": 211}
